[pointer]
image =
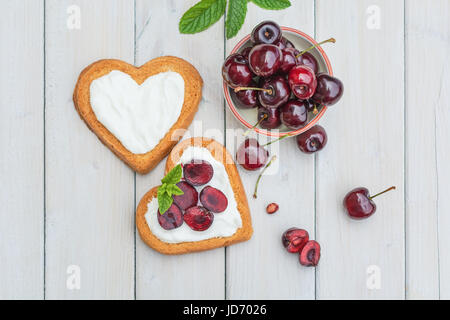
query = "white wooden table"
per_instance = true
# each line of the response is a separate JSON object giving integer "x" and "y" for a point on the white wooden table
{"x": 67, "y": 203}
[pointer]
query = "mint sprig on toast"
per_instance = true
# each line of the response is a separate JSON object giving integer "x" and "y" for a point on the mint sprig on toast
{"x": 169, "y": 188}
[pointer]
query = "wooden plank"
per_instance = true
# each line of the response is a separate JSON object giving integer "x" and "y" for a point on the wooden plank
{"x": 365, "y": 148}
{"x": 427, "y": 84}
{"x": 198, "y": 275}
{"x": 22, "y": 158}
{"x": 90, "y": 197}
{"x": 262, "y": 268}
{"x": 443, "y": 170}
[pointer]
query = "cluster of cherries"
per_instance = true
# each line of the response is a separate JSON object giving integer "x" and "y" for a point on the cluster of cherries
{"x": 185, "y": 207}
{"x": 285, "y": 86}
{"x": 297, "y": 241}
{"x": 283, "y": 83}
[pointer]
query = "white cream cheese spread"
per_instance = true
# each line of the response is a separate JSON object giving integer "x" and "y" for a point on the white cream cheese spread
{"x": 139, "y": 116}
{"x": 225, "y": 224}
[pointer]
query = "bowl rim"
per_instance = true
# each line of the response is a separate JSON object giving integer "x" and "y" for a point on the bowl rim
{"x": 270, "y": 133}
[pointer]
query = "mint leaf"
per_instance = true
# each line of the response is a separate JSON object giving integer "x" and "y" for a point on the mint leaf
{"x": 174, "y": 175}
{"x": 173, "y": 189}
{"x": 272, "y": 4}
{"x": 237, "y": 10}
{"x": 169, "y": 188}
{"x": 164, "y": 200}
{"x": 163, "y": 188}
{"x": 202, "y": 15}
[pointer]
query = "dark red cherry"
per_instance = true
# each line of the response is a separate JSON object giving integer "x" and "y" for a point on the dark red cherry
{"x": 236, "y": 71}
{"x": 198, "y": 172}
{"x": 329, "y": 90}
{"x": 310, "y": 106}
{"x": 313, "y": 140}
{"x": 247, "y": 99}
{"x": 359, "y": 203}
{"x": 189, "y": 198}
{"x": 294, "y": 239}
{"x": 285, "y": 43}
{"x": 250, "y": 155}
{"x": 213, "y": 199}
{"x": 302, "y": 81}
{"x": 246, "y": 51}
{"x": 310, "y": 254}
{"x": 172, "y": 218}
{"x": 294, "y": 114}
{"x": 307, "y": 59}
{"x": 265, "y": 59}
{"x": 289, "y": 60}
{"x": 281, "y": 45}
{"x": 267, "y": 32}
{"x": 198, "y": 218}
{"x": 272, "y": 119}
{"x": 276, "y": 92}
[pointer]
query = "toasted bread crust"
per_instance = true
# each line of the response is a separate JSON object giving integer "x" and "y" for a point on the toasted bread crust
{"x": 141, "y": 163}
{"x": 220, "y": 153}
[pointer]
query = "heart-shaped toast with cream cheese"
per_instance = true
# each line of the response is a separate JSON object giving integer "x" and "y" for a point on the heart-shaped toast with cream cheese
{"x": 211, "y": 213}
{"x": 137, "y": 111}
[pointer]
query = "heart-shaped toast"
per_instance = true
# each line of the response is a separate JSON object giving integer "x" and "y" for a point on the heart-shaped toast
{"x": 137, "y": 111}
{"x": 228, "y": 226}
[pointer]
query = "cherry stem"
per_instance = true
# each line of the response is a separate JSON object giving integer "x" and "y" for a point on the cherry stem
{"x": 269, "y": 91}
{"x": 316, "y": 45}
{"x": 256, "y": 124}
{"x": 315, "y": 111}
{"x": 261, "y": 174}
{"x": 380, "y": 193}
{"x": 279, "y": 139}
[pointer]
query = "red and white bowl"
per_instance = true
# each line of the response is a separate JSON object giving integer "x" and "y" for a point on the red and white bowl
{"x": 248, "y": 117}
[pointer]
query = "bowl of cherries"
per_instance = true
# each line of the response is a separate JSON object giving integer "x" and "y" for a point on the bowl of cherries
{"x": 278, "y": 81}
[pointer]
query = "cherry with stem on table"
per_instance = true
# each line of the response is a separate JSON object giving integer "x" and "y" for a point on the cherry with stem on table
{"x": 250, "y": 155}
{"x": 359, "y": 204}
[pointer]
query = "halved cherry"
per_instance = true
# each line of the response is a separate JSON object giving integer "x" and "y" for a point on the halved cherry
{"x": 310, "y": 254}
{"x": 213, "y": 199}
{"x": 189, "y": 198}
{"x": 294, "y": 239}
{"x": 198, "y": 172}
{"x": 172, "y": 218}
{"x": 198, "y": 218}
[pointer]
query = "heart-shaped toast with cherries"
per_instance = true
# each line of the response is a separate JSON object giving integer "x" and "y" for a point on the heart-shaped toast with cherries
{"x": 211, "y": 211}
{"x": 137, "y": 111}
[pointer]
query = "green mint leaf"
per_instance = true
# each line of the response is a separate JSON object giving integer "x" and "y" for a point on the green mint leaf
{"x": 163, "y": 188}
{"x": 173, "y": 189}
{"x": 164, "y": 200}
{"x": 174, "y": 175}
{"x": 202, "y": 15}
{"x": 169, "y": 188}
{"x": 272, "y": 4}
{"x": 237, "y": 10}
